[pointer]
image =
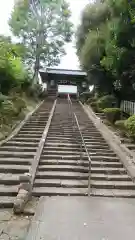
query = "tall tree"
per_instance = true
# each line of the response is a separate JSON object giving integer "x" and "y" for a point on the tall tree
{"x": 107, "y": 47}
{"x": 43, "y": 27}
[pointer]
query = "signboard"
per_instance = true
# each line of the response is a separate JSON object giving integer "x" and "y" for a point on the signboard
{"x": 66, "y": 82}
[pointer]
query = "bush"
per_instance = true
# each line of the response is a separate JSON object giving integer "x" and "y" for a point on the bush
{"x": 2, "y": 98}
{"x": 130, "y": 126}
{"x": 85, "y": 96}
{"x": 18, "y": 99}
{"x": 19, "y": 104}
{"x": 94, "y": 106}
{"x": 90, "y": 100}
{"x": 107, "y": 101}
{"x": 7, "y": 111}
{"x": 36, "y": 91}
{"x": 112, "y": 114}
{"x": 120, "y": 124}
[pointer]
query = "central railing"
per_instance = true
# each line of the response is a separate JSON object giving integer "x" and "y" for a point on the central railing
{"x": 82, "y": 143}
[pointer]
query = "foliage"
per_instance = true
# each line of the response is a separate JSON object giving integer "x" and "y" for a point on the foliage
{"x": 19, "y": 103}
{"x": 2, "y": 98}
{"x": 85, "y": 96}
{"x": 130, "y": 126}
{"x": 94, "y": 106}
{"x": 7, "y": 111}
{"x": 12, "y": 70}
{"x": 120, "y": 124}
{"x": 90, "y": 100}
{"x": 107, "y": 101}
{"x": 112, "y": 114}
{"x": 36, "y": 91}
{"x": 106, "y": 46}
{"x": 45, "y": 34}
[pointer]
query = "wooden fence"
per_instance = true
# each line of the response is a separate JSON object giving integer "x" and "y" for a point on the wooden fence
{"x": 128, "y": 107}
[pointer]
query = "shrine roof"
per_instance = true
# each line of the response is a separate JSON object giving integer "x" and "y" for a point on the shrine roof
{"x": 64, "y": 72}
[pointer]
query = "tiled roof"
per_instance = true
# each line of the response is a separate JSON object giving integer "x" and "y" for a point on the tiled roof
{"x": 65, "y": 71}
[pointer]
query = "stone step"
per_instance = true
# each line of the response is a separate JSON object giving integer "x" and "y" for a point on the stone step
{"x": 61, "y": 127}
{"x": 21, "y": 143}
{"x": 84, "y": 184}
{"x": 17, "y": 154}
{"x": 10, "y": 178}
{"x": 60, "y": 148}
{"x": 8, "y": 190}
{"x": 43, "y": 116}
{"x": 33, "y": 128}
{"x": 10, "y": 168}
{"x": 95, "y": 142}
{"x": 61, "y": 135}
{"x": 77, "y": 157}
{"x": 26, "y": 139}
{"x": 44, "y": 191}
{"x": 110, "y": 177}
{"x": 101, "y": 153}
{"x": 97, "y": 157}
{"x": 6, "y": 202}
{"x": 119, "y": 193}
{"x": 16, "y": 161}
{"x": 33, "y": 125}
{"x": 55, "y": 152}
{"x": 39, "y": 120}
{"x": 62, "y": 144}
{"x": 31, "y": 131}
{"x": 113, "y": 185}
{"x": 61, "y": 175}
{"x": 64, "y": 168}
{"x": 68, "y": 168}
{"x": 59, "y": 156}
{"x": 130, "y": 146}
{"x": 29, "y": 135}
{"x": 93, "y": 138}
{"x": 97, "y": 146}
{"x": 80, "y": 163}
{"x": 71, "y": 141}
{"x": 60, "y": 183}
{"x": 57, "y": 138}
{"x": 70, "y": 148}
{"x": 59, "y": 144}
{"x": 18, "y": 148}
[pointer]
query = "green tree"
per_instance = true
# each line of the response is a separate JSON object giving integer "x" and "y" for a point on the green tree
{"x": 12, "y": 70}
{"x": 106, "y": 45}
{"x": 43, "y": 28}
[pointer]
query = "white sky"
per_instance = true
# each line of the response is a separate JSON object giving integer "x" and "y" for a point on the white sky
{"x": 70, "y": 61}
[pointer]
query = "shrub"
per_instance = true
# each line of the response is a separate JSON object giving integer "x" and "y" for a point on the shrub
{"x": 90, "y": 100}
{"x": 18, "y": 100}
{"x": 94, "y": 106}
{"x": 36, "y": 91}
{"x": 2, "y": 98}
{"x": 107, "y": 101}
{"x": 130, "y": 126}
{"x": 7, "y": 111}
{"x": 120, "y": 124}
{"x": 85, "y": 96}
{"x": 19, "y": 104}
{"x": 112, "y": 114}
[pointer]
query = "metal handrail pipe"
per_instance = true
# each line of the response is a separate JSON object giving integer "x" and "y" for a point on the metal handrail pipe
{"x": 83, "y": 143}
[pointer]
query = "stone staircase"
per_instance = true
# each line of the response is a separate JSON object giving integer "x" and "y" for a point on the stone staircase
{"x": 52, "y": 93}
{"x": 109, "y": 177}
{"x": 17, "y": 154}
{"x": 62, "y": 172}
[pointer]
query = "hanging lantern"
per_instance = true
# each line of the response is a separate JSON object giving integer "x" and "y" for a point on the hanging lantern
{"x": 52, "y": 83}
{"x": 84, "y": 84}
